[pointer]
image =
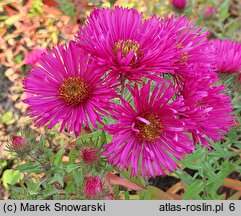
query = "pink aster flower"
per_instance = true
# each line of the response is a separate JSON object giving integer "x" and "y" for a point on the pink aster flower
{"x": 33, "y": 57}
{"x": 179, "y": 4}
{"x": 65, "y": 89}
{"x": 148, "y": 133}
{"x": 194, "y": 51}
{"x": 93, "y": 186}
{"x": 206, "y": 110}
{"x": 126, "y": 45}
{"x": 228, "y": 56}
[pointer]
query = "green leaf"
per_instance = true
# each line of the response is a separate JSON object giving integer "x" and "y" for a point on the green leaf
{"x": 138, "y": 181}
{"x": 193, "y": 190}
{"x": 210, "y": 174}
{"x": 49, "y": 191}
{"x": 78, "y": 177}
{"x": 10, "y": 177}
{"x": 127, "y": 195}
{"x": 18, "y": 58}
{"x": 3, "y": 164}
{"x": 58, "y": 158}
{"x": 7, "y": 117}
{"x": 12, "y": 19}
{"x": 71, "y": 156}
{"x": 225, "y": 169}
{"x": 187, "y": 179}
{"x": 67, "y": 8}
{"x": 158, "y": 194}
{"x": 72, "y": 167}
{"x": 30, "y": 167}
{"x": 219, "y": 148}
{"x": 223, "y": 10}
{"x": 212, "y": 187}
{"x": 59, "y": 177}
{"x": 94, "y": 135}
{"x": 70, "y": 187}
{"x": 214, "y": 183}
{"x": 233, "y": 25}
{"x": 42, "y": 141}
{"x": 34, "y": 187}
{"x": 36, "y": 7}
{"x": 103, "y": 139}
{"x": 145, "y": 195}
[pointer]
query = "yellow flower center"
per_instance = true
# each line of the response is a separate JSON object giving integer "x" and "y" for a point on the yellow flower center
{"x": 74, "y": 91}
{"x": 126, "y": 46}
{"x": 184, "y": 55}
{"x": 151, "y": 131}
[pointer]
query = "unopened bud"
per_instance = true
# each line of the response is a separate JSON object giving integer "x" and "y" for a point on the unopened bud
{"x": 89, "y": 155}
{"x": 40, "y": 151}
{"x": 57, "y": 185}
{"x": 47, "y": 167}
{"x": 18, "y": 142}
{"x": 93, "y": 186}
{"x": 179, "y": 4}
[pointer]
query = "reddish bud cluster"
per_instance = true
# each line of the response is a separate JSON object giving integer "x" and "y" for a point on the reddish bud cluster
{"x": 18, "y": 142}
{"x": 179, "y": 4}
{"x": 209, "y": 12}
{"x": 93, "y": 186}
{"x": 89, "y": 155}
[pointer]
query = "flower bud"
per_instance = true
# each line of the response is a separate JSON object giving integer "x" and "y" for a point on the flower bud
{"x": 179, "y": 4}
{"x": 209, "y": 12}
{"x": 47, "y": 167}
{"x": 18, "y": 142}
{"x": 89, "y": 155}
{"x": 93, "y": 186}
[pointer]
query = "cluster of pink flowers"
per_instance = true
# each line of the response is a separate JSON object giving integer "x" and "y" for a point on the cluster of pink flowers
{"x": 155, "y": 77}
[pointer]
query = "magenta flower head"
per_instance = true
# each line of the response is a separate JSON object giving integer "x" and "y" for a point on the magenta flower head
{"x": 127, "y": 46}
{"x": 93, "y": 186}
{"x": 179, "y": 4}
{"x": 33, "y": 57}
{"x": 66, "y": 89}
{"x": 147, "y": 133}
{"x": 194, "y": 52}
{"x": 206, "y": 110}
{"x": 228, "y": 56}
